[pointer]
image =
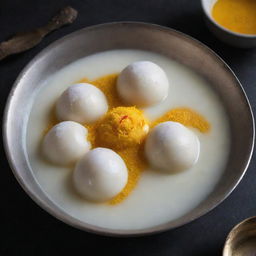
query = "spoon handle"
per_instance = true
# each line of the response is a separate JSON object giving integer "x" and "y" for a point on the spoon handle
{"x": 26, "y": 40}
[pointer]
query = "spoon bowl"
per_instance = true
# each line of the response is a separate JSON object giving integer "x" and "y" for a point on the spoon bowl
{"x": 242, "y": 239}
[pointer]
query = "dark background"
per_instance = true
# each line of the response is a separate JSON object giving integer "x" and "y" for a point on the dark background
{"x": 25, "y": 228}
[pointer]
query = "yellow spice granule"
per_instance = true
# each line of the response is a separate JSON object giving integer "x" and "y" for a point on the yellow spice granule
{"x": 185, "y": 116}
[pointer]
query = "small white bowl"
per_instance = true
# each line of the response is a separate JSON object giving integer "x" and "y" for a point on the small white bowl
{"x": 226, "y": 35}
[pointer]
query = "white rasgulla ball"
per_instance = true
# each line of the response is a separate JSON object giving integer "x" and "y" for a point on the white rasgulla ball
{"x": 172, "y": 147}
{"x": 83, "y": 103}
{"x": 65, "y": 143}
{"x": 143, "y": 83}
{"x": 100, "y": 175}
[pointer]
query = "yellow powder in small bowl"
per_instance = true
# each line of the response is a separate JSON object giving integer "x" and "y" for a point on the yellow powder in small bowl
{"x": 236, "y": 15}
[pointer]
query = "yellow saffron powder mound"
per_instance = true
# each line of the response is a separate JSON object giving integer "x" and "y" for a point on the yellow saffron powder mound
{"x": 236, "y": 15}
{"x": 185, "y": 116}
{"x": 124, "y": 129}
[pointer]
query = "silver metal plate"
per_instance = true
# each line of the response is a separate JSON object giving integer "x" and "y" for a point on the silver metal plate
{"x": 142, "y": 36}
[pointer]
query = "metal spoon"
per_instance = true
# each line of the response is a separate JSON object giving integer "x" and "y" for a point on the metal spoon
{"x": 24, "y": 41}
{"x": 241, "y": 240}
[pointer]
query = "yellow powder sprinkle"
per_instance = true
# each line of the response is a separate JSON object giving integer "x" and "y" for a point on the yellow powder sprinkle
{"x": 132, "y": 126}
{"x": 135, "y": 163}
{"x": 187, "y": 117}
{"x": 107, "y": 84}
{"x": 236, "y": 15}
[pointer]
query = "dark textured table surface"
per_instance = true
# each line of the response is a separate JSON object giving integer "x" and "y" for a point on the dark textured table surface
{"x": 26, "y": 229}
